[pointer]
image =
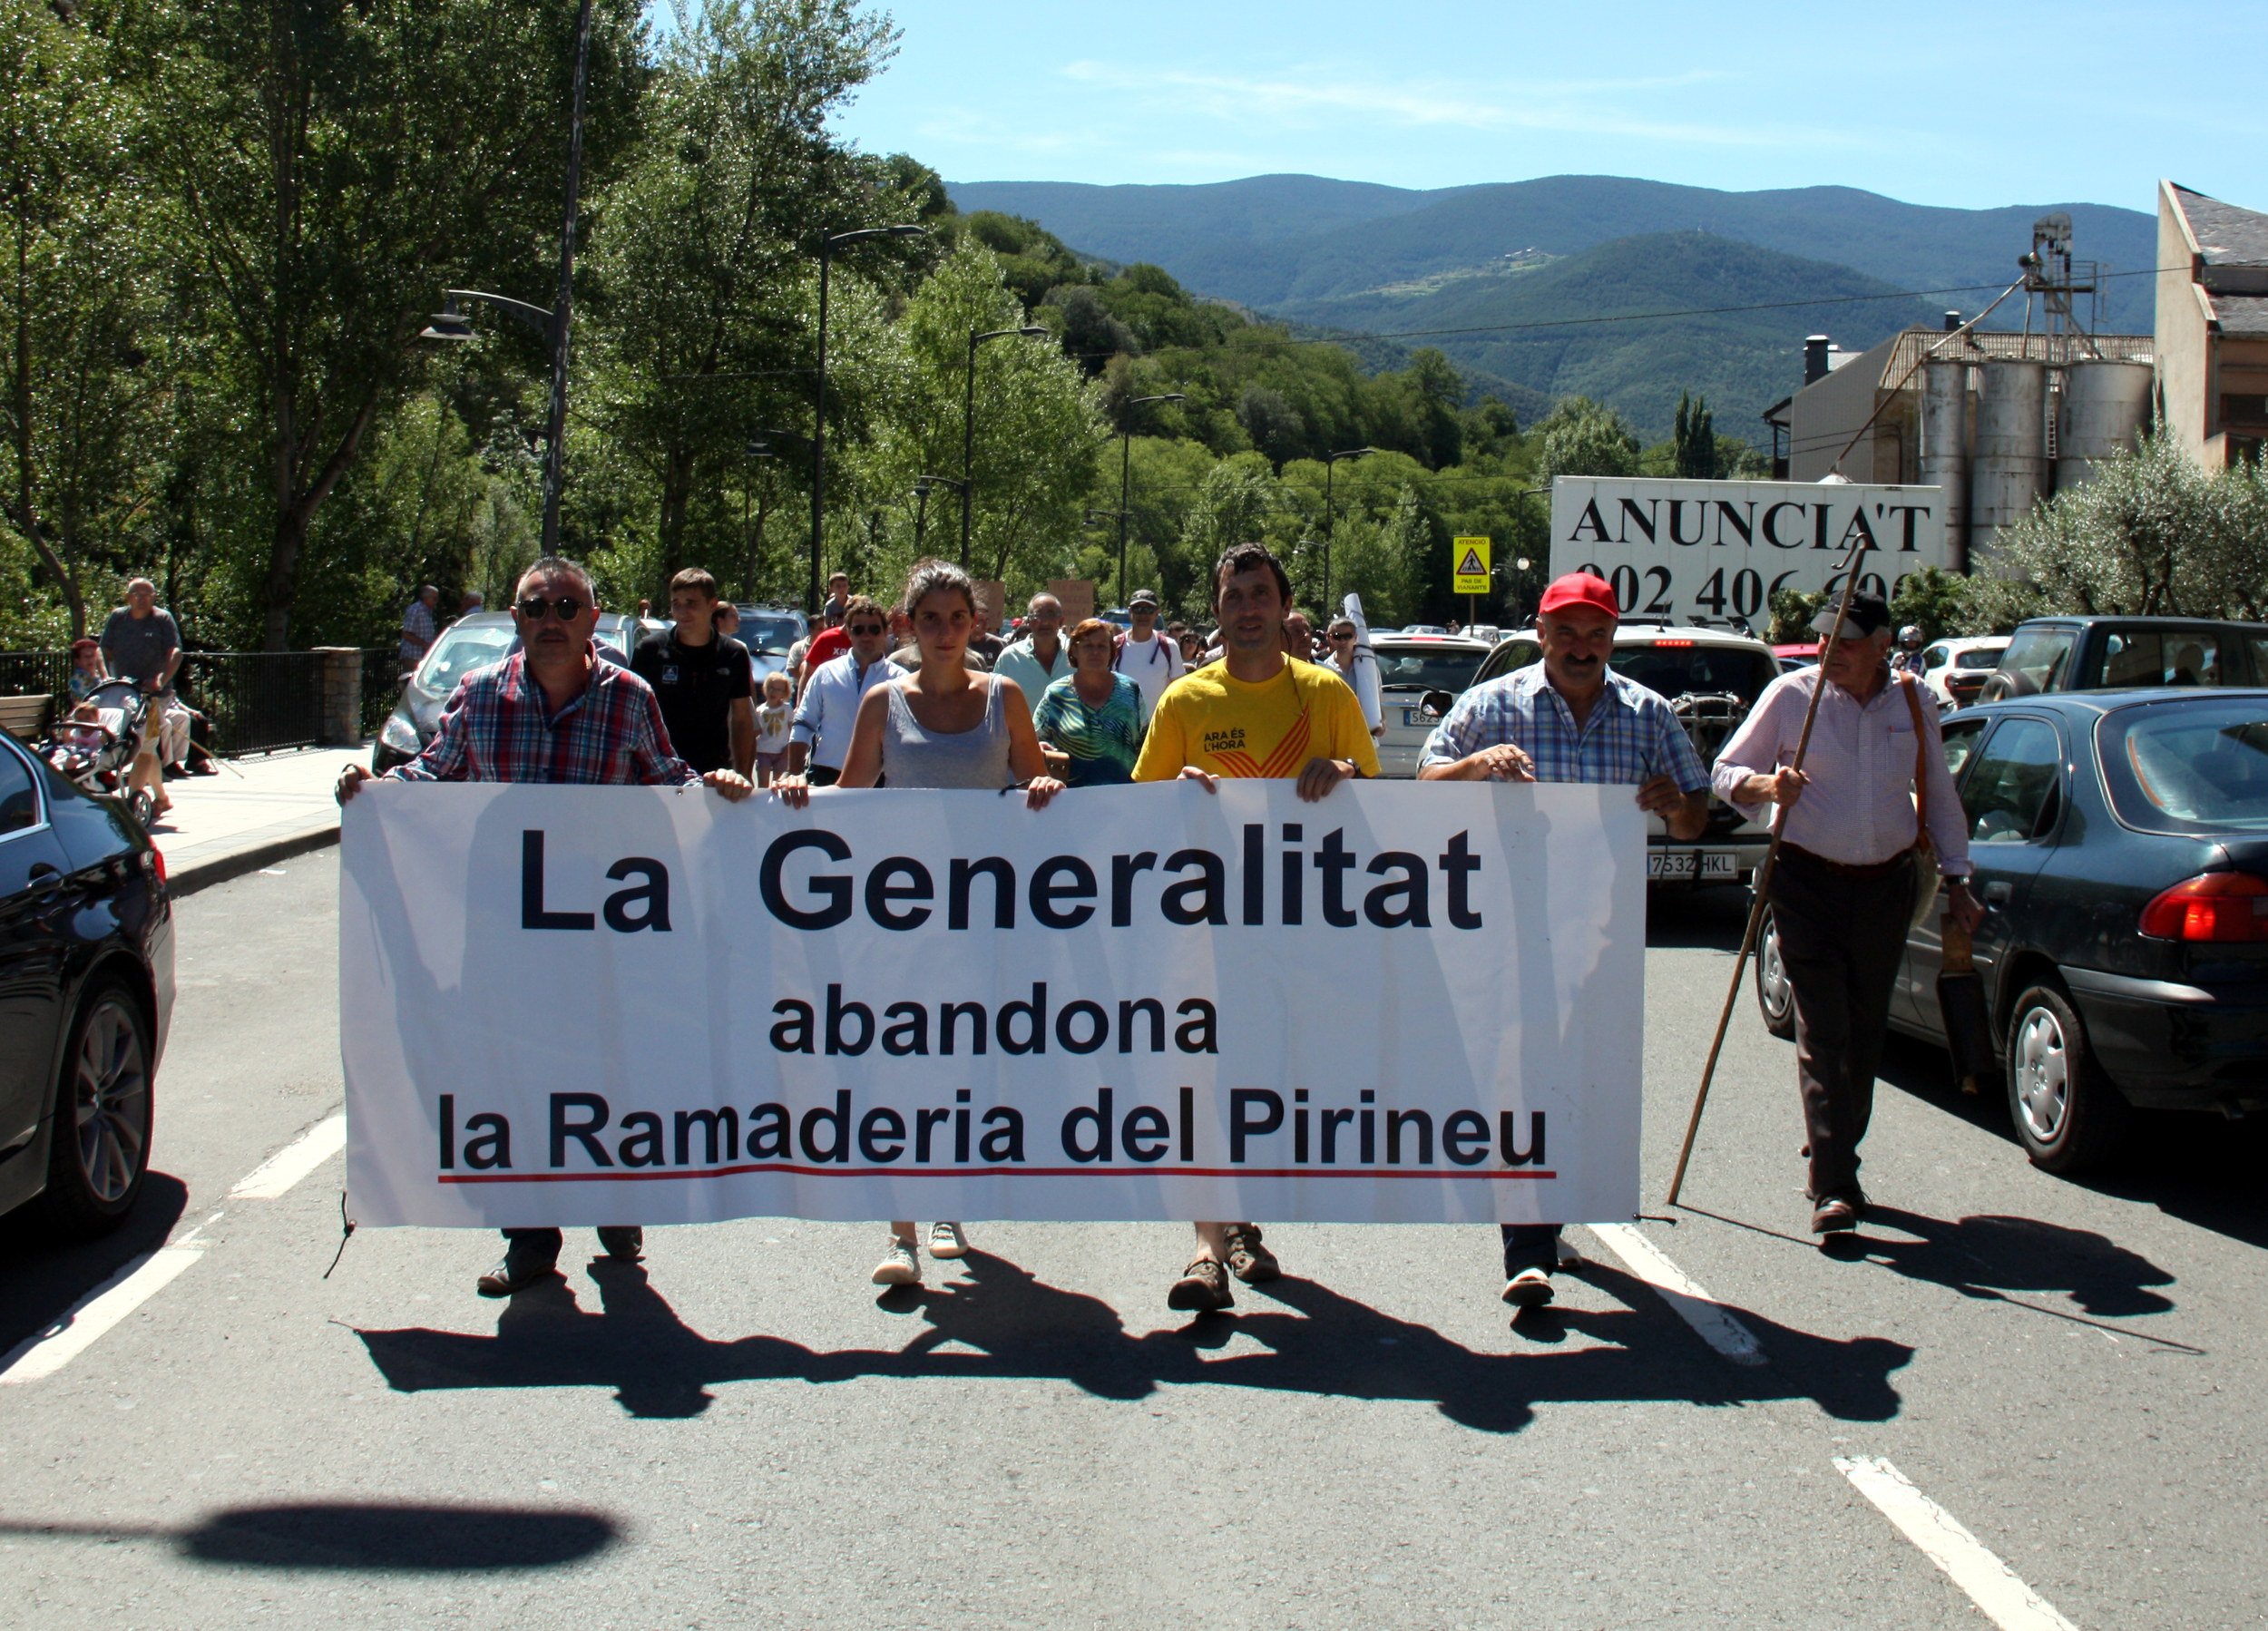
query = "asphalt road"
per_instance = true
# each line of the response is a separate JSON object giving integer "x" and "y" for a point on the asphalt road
{"x": 738, "y": 1433}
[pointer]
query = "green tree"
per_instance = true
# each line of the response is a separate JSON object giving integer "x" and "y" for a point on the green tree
{"x": 1581, "y": 437}
{"x": 1038, "y": 430}
{"x": 1694, "y": 440}
{"x": 704, "y": 277}
{"x": 326, "y": 167}
{"x": 2150, "y": 533}
{"x": 83, "y": 407}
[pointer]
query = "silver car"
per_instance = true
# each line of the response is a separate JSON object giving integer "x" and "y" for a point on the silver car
{"x": 1411, "y": 667}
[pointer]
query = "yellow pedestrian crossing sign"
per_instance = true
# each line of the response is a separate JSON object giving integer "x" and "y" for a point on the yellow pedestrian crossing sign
{"x": 1470, "y": 569}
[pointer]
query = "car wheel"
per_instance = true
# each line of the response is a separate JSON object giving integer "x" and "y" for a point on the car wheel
{"x": 99, "y": 1152}
{"x": 2068, "y": 1118}
{"x": 1775, "y": 998}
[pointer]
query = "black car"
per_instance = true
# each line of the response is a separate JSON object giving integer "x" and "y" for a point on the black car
{"x": 2119, "y": 844}
{"x": 86, "y": 993}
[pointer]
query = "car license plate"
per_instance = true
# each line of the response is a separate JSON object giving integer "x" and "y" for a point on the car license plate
{"x": 1704, "y": 863}
{"x": 1414, "y": 716}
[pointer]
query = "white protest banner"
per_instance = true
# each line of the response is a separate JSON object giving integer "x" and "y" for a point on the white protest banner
{"x": 590, "y": 1005}
{"x": 1722, "y": 549}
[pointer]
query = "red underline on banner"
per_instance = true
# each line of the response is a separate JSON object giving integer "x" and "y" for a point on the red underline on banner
{"x": 982, "y": 1172}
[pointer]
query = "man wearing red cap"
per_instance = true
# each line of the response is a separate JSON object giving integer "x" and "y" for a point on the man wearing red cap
{"x": 1569, "y": 719}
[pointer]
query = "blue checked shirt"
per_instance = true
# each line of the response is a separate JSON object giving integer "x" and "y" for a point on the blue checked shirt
{"x": 1631, "y": 735}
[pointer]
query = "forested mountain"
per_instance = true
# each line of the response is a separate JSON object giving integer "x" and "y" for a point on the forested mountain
{"x": 1282, "y": 242}
{"x": 1539, "y": 262}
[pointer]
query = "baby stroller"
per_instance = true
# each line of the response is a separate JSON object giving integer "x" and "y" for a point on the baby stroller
{"x": 98, "y": 754}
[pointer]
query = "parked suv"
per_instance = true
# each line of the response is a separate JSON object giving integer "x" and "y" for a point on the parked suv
{"x": 1712, "y": 678}
{"x": 2113, "y": 653}
{"x": 1955, "y": 671}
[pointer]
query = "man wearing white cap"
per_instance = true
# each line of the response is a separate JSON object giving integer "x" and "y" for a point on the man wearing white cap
{"x": 1842, "y": 890}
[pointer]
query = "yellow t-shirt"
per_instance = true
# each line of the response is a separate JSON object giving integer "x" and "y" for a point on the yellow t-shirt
{"x": 1229, "y": 728}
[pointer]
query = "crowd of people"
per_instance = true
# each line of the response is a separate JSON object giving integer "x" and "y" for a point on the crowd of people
{"x": 917, "y": 693}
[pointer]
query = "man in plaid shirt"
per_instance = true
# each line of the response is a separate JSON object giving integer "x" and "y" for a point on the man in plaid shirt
{"x": 551, "y": 712}
{"x": 1569, "y": 719}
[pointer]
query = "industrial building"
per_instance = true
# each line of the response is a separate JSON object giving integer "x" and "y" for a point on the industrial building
{"x": 2212, "y": 325}
{"x": 1999, "y": 420}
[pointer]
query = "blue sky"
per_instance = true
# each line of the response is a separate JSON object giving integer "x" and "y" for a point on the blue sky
{"x": 1965, "y": 106}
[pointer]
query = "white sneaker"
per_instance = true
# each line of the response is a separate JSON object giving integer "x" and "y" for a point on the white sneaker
{"x": 901, "y": 1267}
{"x": 947, "y": 1241}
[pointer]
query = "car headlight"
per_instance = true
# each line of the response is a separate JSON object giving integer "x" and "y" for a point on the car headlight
{"x": 400, "y": 735}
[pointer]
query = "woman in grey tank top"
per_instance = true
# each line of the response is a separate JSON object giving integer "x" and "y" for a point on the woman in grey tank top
{"x": 941, "y": 726}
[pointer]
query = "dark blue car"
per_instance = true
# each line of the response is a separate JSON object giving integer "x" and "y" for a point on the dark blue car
{"x": 2120, "y": 847}
{"x": 86, "y": 993}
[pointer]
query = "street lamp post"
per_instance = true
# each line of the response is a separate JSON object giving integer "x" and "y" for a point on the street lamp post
{"x": 449, "y": 325}
{"x": 968, "y": 424}
{"x": 922, "y": 486}
{"x": 828, "y": 243}
{"x": 1331, "y": 513}
{"x": 1126, "y": 457}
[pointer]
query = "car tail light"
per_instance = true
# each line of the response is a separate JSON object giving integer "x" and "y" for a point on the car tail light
{"x": 157, "y": 863}
{"x": 1672, "y": 645}
{"x": 2218, "y": 906}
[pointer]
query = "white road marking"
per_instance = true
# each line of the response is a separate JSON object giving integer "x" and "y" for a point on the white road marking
{"x": 1692, "y": 1304}
{"x": 1972, "y": 1565}
{"x": 47, "y": 1352}
{"x": 272, "y": 1177}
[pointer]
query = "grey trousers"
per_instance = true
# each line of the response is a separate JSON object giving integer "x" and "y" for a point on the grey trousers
{"x": 1840, "y": 938}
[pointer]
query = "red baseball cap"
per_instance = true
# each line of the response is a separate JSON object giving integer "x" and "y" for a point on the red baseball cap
{"x": 1580, "y": 588}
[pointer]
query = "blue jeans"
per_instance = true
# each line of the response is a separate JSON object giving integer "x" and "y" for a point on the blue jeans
{"x": 1530, "y": 1245}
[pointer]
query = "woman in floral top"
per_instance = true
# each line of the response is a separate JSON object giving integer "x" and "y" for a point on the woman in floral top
{"x": 1093, "y": 715}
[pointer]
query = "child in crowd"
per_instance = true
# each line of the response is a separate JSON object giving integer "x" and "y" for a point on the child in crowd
{"x": 87, "y": 667}
{"x": 772, "y": 721}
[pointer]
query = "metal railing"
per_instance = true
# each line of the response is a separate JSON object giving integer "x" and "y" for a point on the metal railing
{"x": 256, "y": 701}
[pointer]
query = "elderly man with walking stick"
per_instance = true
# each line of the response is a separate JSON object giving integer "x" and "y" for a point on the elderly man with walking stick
{"x": 1842, "y": 889}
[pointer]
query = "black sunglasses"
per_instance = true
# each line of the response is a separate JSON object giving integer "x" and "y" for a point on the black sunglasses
{"x": 863, "y": 630}
{"x": 534, "y": 607}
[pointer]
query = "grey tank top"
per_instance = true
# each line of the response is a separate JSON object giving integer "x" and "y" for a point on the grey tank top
{"x": 913, "y": 757}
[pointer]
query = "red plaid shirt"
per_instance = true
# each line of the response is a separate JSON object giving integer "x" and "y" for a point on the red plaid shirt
{"x": 498, "y": 729}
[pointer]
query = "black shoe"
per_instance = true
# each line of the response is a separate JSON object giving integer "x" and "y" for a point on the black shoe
{"x": 1203, "y": 1288}
{"x": 1834, "y": 1215}
{"x": 1248, "y": 1260}
{"x": 1529, "y": 1288}
{"x": 203, "y": 768}
{"x": 521, "y": 1266}
{"x": 174, "y": 772}
{"x": 625, "y": 1241}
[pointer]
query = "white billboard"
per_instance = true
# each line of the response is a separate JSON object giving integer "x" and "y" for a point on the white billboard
{"x": 1717, "y": 551}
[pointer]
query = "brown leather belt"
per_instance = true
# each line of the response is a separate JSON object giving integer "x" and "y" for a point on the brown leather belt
{"x": 1844, "y": 869}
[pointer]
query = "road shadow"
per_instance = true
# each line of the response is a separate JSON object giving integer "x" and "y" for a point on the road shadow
{"x": 1004, "y": 1323}
{"x": 1989, "y": 1255}
{"x": 41, "y": 1277}
{"x": 2199, "y": 1168}
{"x": 365, "y": 1536}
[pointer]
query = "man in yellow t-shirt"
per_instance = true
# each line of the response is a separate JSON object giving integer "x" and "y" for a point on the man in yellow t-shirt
{"x": 1257, "y": 712}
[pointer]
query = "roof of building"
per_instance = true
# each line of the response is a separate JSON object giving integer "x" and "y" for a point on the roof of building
{"x": 2231, "y": 245}
{"x": 1987, "y": 346}
{"x": 2224, "y": 234}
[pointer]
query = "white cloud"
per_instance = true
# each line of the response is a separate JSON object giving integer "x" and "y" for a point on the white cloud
{"x": 1314, "y": 96}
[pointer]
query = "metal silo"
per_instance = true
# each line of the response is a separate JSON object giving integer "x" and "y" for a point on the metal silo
{"x": 2009, "y": 473}
{"x": 2105, "y": 406}
{"x": 1945, "y": 450}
